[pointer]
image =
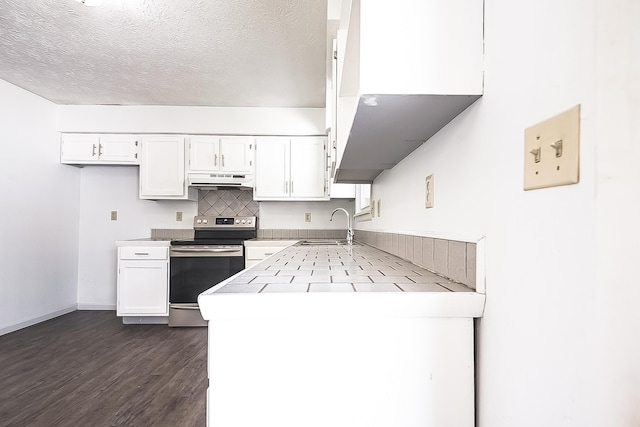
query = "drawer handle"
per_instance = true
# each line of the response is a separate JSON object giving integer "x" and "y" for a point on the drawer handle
{"x": 141, "y": 253}
{"x": 269, "y": 253}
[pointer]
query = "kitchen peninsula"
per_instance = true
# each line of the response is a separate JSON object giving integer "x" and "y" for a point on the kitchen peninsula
{"x": 326, "y": 334}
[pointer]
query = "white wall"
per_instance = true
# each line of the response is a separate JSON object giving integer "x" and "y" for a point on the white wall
{"x": 618, "y": 209}
{"x": 39, "y": 215}
{"x": 561, "y": 283}
{"x": 104, "y": 189}
{"x": 216, "y": 120}
{"x": 290, "y": 215}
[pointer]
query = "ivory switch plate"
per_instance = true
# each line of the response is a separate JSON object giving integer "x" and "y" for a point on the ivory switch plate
{"x": 552, "y": 151}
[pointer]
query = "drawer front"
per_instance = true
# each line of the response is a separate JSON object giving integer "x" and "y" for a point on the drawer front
{"x": 142, "y": 252}
{"x": 261, "y": 252}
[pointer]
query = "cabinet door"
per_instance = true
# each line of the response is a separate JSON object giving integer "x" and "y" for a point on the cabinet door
{"x": 308, "y": 167}
{"x": 121, "y": 149}
{"x": 272, "y": 168}
{"x": 79, "y": 148}
{"x": 143, "y": 288}
{"x": 162, "y": 167}
{"x": 204, "y": 154}
{"x": 236, "y": 154}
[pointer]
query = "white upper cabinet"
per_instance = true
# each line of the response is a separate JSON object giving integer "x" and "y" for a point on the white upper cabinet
{"x": 204, "y": 153}
{"x": 236, "y": 154}
{"x": 404, "y": 70}
{"x": 99, "y": 149}
{"x": 308, "y": 168}
{"x": 208, "y": 154}
{"x": 163, "y": 169}
{"x": 291, "y": 168}
{"x": 272, "y": 168}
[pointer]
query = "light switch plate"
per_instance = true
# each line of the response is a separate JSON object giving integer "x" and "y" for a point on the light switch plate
{"x": 552, "y": 151}
{"x": 307, "y": 217}
{"x": 428, "y": 192}
{"x": 114, "y": 215}
{"x": 178, "y": 216}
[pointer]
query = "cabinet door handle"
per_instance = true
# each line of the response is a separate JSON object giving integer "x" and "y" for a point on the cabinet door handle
{"x": 215, "y": 160}
{"x": 222, "y": 157}
{"x": 99, "y": 150}
{"x": 93, "y": 153}
{"x": 141, "y": 253}
{"x": 286, "y": 187}
{"x": 291, "y": 187}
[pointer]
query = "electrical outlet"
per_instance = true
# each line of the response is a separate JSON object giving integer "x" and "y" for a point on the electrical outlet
{"x": 551, "y": 151}
{"x": 307, "y": 217}
{"x": 114, "y": 215}
{"x": 178, "y": 216}
{"x": 428, "y": 193}
{"x": 378, "y": 207}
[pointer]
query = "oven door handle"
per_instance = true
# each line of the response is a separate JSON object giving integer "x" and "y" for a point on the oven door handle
{"x": 185, "y": 306}
{"x": 208, "y": 250}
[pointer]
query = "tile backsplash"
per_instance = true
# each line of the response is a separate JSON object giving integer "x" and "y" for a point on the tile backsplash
{"x": 453, "y": 259}
{"x": 233, "y": 202}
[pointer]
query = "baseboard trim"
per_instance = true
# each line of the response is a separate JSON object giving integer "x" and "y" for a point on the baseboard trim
{"x": 38, "y": 319}
{"x": 83, "y": 306}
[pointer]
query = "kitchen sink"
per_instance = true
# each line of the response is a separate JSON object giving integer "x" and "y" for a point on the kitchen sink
{"x": 322, "y": 242}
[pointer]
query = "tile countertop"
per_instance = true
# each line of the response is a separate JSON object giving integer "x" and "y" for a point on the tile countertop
{"x": 149, "y": 241}
{"x": 353, "y": 280}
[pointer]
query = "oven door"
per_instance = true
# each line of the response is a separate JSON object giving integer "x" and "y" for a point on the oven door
{"x": 193, "y": 270}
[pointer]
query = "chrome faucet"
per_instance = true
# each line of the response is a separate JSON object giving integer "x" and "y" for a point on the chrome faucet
{"x": 349, "y": 229}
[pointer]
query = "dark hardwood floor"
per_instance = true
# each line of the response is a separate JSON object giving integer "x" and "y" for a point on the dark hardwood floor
{"x": 88, "y": 369}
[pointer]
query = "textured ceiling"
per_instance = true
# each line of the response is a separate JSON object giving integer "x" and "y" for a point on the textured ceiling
{"x": 269, "y": 53}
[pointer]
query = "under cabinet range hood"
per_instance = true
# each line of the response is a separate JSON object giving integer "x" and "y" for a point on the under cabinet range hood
{"x": 208, "y": 180}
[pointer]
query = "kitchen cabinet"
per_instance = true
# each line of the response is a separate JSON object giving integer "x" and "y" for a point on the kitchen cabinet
{"x": 80, "y": 149}
{"x": 291, "y": 168}
{"x": 256, "y": 251}
{"x": 210, "y": 154}
{"x": 163, "y": 169}
{"x": 143, "y": 281}
{"x": 396, "y": 88}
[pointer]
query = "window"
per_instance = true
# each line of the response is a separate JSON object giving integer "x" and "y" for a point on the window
{"x": 363, "y": 199}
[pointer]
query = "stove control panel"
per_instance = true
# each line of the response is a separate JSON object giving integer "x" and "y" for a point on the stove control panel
{"x": 201, "y": 222}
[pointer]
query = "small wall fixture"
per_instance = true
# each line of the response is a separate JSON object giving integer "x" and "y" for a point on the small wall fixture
{"x": 90, "y": 2}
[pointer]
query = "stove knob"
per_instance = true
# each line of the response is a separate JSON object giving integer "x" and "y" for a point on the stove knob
{"x": 198, "y": 221}
{"x": 243, "y": 221}
{"x": 204, "y": 221}
{"x": 237, "y": 221}
{"x": 248, "y": 221}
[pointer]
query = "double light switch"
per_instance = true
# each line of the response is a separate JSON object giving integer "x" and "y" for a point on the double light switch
{"x": 552, "y": 151}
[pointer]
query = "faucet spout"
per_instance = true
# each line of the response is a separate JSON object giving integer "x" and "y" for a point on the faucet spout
{"x": 349, "y": 229}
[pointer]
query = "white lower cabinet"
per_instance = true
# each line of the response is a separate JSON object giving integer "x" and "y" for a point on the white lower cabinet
{"x": 256, "y": 251}
{"x": 143, "y": 281}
